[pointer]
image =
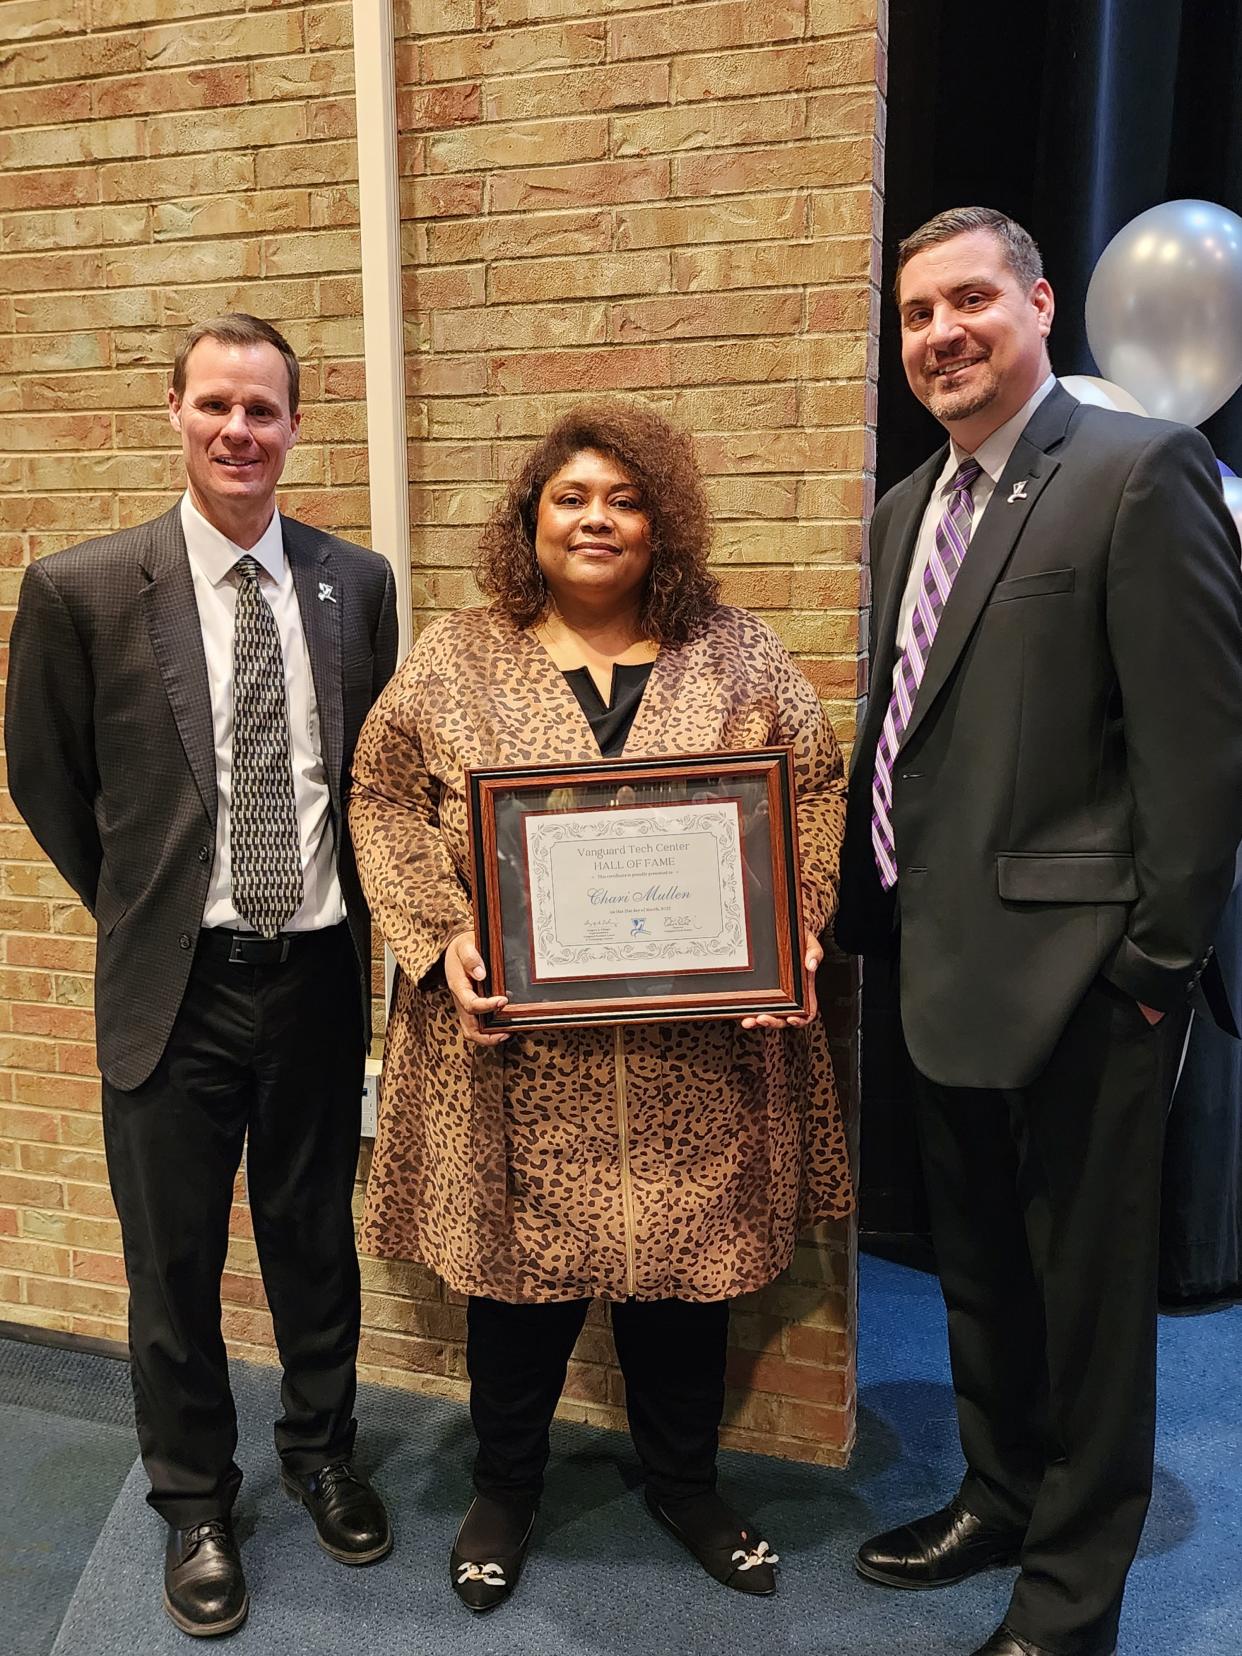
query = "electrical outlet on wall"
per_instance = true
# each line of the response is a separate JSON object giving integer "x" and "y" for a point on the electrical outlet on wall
{"x": 370, "y": 1096}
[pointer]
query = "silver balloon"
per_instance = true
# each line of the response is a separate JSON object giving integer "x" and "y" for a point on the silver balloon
{"x": 1100, "y": 393}
{"x": 1164, "y": 309}
{"x": 1233, "y": 499}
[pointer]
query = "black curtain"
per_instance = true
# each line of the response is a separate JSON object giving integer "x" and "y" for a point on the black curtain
{"x": 1073, "y": 116}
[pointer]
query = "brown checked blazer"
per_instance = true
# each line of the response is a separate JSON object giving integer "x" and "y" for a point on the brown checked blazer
{"x": 112, "y": 757}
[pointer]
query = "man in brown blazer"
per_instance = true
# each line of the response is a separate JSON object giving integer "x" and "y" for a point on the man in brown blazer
{"x": 183, "y": 703}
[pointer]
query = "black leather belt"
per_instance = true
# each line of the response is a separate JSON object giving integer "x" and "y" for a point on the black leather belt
{"x": 249, "y": 949}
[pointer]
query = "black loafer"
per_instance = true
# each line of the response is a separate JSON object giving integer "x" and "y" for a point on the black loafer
{"x": 938, "y": 1550}
{"x": 204, "y": 1587}
{"x": 483, "y": 1583}
{"x": 350, "y": 1519}
{"x": 732, "y": 1552}
{"x": 1005, "y": 1642}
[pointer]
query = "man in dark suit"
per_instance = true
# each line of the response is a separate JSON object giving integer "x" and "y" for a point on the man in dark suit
{"x": 1045, "y": 804}
{"x": 183, "y": 702}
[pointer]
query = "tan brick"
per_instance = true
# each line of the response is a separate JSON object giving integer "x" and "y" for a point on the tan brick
{"x": 710, "y": 126}
{"x": 686, "y": 317}
{"x": 770, "y": 264}
{"x": 165, "y": 262}
{"x": 708, "y": 28}
{"x": 821, "y": 164}
{"x": 81, "y": 227}
{"x": 322, "y": 163}
{"x": 432, "y": 108}
{"x": 535, "y": 143}
{"x": 829, "y": 17}
{"x": 741, "y": 218}
{"x": 41, "y": 353}
{"x": 275, "y": 300}
{"x": 465, "y": 240}
{"x": 26, "y": 1192}
{"x": 614, "y": 369}
{"x": 57, "y": 188}
{"x": 318, "y": 75}
{"x": 88, "y": 1299}
{"x": 155, "y": 92}
{"x": 53, "y": 104}
{"x": 329, "y": 26}
{"x": 252, "y": 214}
{"x": 58, "y": 146}
{"x": 102, "y": 1268}
{"x": 433, "y": 17}
{"x": 625, "y": 86}
{"x": 39, "y": 1258}
{"x": 499, "y": 14}
{"x": 595, "y": 183}
{"x": 758, "y": 73}
{"x": 51, "y": 272}
{"x": 224, "y": 130}
{"x": 620, "y": 273}
{"x": 55, "y": 1022}
{"x": 838, "y": 114}
{"x": 294, "y": 255}
{"x": 194, "y": 175}
{"x": 68, "y": 60}
{"x": 519, "y": 327}
{"x": 23, "y": 20}
{"x": 273, "y": 31}
{"x": 55, "y": 431}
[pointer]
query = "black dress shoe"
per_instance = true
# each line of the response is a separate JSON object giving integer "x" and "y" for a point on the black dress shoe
{"x": 1005, "y": 1642}
{"x": 936, "y": 1551}
{"x": 486, "y": 1559}
{"x": 350, "y": 1519}
{"x": 204, "y": 1588}
{"x": 732, "y": 1552}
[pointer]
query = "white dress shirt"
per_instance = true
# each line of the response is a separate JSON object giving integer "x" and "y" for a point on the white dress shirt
{"x": 993, "y": 455}
{"x": 213, "y": 558}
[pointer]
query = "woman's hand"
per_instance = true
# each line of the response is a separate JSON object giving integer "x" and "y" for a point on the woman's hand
{"x": 775, "y": 1020}
{"x": 463, "y": 972}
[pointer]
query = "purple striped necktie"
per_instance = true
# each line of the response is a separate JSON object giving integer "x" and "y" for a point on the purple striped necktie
{"x": 948, "y": 549}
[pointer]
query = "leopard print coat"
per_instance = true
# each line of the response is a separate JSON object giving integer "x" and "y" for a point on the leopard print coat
{"x": 519, "y": 1171}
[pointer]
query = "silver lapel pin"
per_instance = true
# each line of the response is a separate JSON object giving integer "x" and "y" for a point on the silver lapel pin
{"x": 325, "y": 593}
{"x": 1018, "y": 493}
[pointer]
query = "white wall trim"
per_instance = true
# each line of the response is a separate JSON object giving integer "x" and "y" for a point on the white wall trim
{"x": 375, "y": 81}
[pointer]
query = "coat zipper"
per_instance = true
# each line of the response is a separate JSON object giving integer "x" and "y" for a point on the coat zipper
{"x": 623, "y": 1139}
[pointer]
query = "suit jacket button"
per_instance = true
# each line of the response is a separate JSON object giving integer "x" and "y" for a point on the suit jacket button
{"x": 186, "y": 941}
{"x": 204, "y": 855}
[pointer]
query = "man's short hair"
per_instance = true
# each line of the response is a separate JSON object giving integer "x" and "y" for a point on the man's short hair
{"x": 1018, "y": 246}
{"x": 237, "y": 329}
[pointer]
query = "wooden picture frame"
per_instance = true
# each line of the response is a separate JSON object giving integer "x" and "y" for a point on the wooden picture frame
{"x": 619, "y": 891}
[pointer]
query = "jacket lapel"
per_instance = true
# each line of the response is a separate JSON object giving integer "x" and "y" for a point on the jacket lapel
{"x": 1027, "y": 475}
{"x": 177, "y": 641}
{"x": 321, "y": 601}
{"x": 903, "y": 532}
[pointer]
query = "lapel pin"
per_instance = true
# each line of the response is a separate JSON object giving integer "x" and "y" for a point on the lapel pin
{"x": 325, "y": 593}
{"x": 1018, "y": 493}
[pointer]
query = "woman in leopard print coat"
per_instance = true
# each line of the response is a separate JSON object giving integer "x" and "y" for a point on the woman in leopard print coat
{"x": 663, "y": 1167}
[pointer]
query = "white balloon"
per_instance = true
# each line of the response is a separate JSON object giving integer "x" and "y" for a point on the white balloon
{"x": 1233, "y": 499}
{"x": 1101, "y": 393}
{"x": 1164, "y": 309}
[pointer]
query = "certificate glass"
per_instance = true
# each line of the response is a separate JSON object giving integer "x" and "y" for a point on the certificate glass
{"x": 617, "y": 892}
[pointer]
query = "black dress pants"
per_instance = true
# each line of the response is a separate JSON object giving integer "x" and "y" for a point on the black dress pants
{"x": 273, "y": 1052}
{"x": 671, "y": 1352}
{"x": 1045, "y": 1216}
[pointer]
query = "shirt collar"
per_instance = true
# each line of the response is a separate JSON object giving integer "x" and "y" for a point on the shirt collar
{"x": 216, "y": 555}
{"x": 993, "y": 452}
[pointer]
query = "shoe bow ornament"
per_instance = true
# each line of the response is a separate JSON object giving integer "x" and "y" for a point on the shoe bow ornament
{"x": 491, "y": 1574}
{"x": 759, "y": 1555}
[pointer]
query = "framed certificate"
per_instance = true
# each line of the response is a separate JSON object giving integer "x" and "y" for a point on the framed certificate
{"x": 616, "y": 892}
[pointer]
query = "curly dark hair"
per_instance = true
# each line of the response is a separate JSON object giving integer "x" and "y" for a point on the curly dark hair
{"x": 660, "y": 461}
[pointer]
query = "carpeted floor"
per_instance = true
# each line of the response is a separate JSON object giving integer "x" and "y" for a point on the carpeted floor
{"x": 603, "y": 1579}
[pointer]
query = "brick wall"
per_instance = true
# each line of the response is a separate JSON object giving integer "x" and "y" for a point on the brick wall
{"x": 674, "y": 201}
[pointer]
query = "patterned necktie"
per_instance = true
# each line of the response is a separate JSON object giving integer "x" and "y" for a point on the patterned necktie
{"x": 263, "y": 824}
{"x": 949, "y": 548}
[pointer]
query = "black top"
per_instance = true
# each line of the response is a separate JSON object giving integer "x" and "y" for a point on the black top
{"x": 610, "y": 725}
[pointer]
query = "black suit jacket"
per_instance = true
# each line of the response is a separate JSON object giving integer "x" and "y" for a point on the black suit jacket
{"x": 1067, "y": 798}
{"x": 112, "y": 756}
